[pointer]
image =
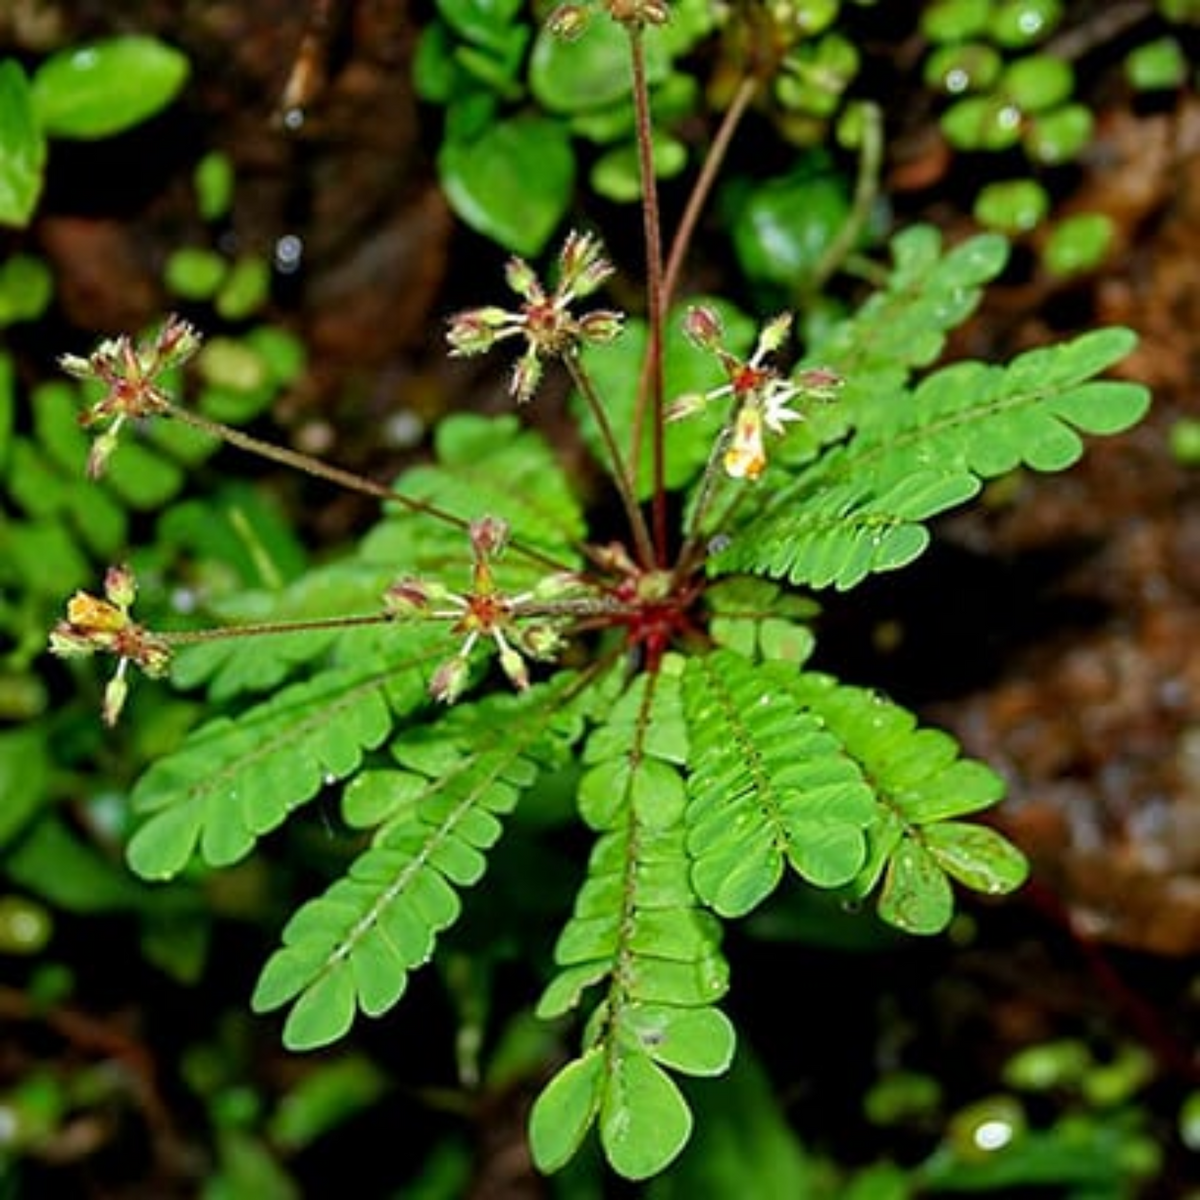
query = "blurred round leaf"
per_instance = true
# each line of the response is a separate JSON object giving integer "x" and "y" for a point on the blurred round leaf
{"x": 1038, "y": 82}
{"x": 1048, "y": 1065}
{"x": 785, "y": 225}
{"x": 484, "y": 22}
{"x": 1118, "y": 1081}
{"x": 982, "y": 123}
{"x": 513, "y": 183}
{"x": 1182, "y": 12}
{"x": 213, "y": 181}
{"x": 25, "y": 925}
{"x": 902, "y": 1096}
{"x": 955, "y": 20}
{"x": 1189, "y": 1121}
{"x": 615, "y": 174}
{"x": 987, "y": 1127}
{"x": 590, "y": 73}
{"x": 244, "y": 290}
{"x": 1157, "y": 65}
{"x": 1024, "y": 22}
{"x": 97, "y": 90}
{"x": 1058, "y": 136}
{"x": 1012, "y": 206}
{"x": 24, "y": 143}
{"x": 26, "y": 287}
{"x": 1185, "y": 441}
{"x": 957, "y": 69}
{"x": 194, "y": 273}
{"x": 817, "y": 74}
{"x": 1078, "y": 243}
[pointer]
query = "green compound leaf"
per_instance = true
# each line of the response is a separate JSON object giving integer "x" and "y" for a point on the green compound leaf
{"x": 486, "y": 467}
{"x": 637, "y": 927}
{"x": 351, "y": 950}
{"x": 105, "y": 88}
{"x": 24, "y": 147}
{"x": 920, "y": 783}
{"x": 513, "y": 182}
{"x": 861, "y": 508}
{"x": 234, "y": 780}
{"x": 768, "y": 786}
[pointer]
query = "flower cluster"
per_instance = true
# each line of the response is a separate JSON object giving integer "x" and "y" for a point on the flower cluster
{"x": 131, "y": 376}
{"x": 483, "y": 612}
{"x": 105, "y": 626}
{"x": 544, "y": 320}
{"x": 761, "y": 395}
{"x": 570, "y": 20}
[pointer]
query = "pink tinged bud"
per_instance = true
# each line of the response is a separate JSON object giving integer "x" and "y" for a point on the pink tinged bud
{"x": 704, "y": 327}
{"x": 600, "y": 326}
{"x": 406, "y": 598}
{"x": 526, "y": 375}
{"x": 449, "y": 680}
{"x": 638, "y": 12}
{"x": 746, "y": 457}
{"x": 582, "y": 267}
{"x": 120, "y": 586}
{"x": 568, "y": 21}
{"x": 489, "y": 536}
{"x": 821, "y": 383}
{"x": 519, "y": 276}
{"x": 177, "y": 342}
{"x": 475, "y": 331}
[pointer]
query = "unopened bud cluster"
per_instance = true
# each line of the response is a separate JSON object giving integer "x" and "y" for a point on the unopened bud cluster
{"x": 545, "y": 320}
{"x": 131, "y": 375}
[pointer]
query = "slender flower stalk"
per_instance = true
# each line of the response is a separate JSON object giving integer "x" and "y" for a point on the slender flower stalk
{"x": 652, "y": 234}
{"x": 621, "y": 475}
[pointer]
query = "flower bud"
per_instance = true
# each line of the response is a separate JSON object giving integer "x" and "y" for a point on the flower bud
{"x": 120, "y": 586}
{"x": 519, "y": 276}
{"x": 821, "y": 383}
{"x": 568, "y": 21}
{"x": 600, "y": 326}
{"x": 114, "y": 696}
{"x": 774, "y": 334}
{"x": 177, "y": 342}
{"x": 582, "y": 267}
{"x": 704, "y": 327}
{"x": 489, "y": 536}
{"x": 542, "y": 642}
{"x": 526, "y": 375}
{"x": 685, "y": 406}
{"x": 475, "y": 331}
{"x": 513, "y": 665}
{"x": 101, "y": 451}
{"x": 406, "y": 598}
{"x": 449, "y": 680}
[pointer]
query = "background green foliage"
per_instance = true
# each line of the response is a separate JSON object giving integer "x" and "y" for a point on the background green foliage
{"x": 229, "y": 775}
